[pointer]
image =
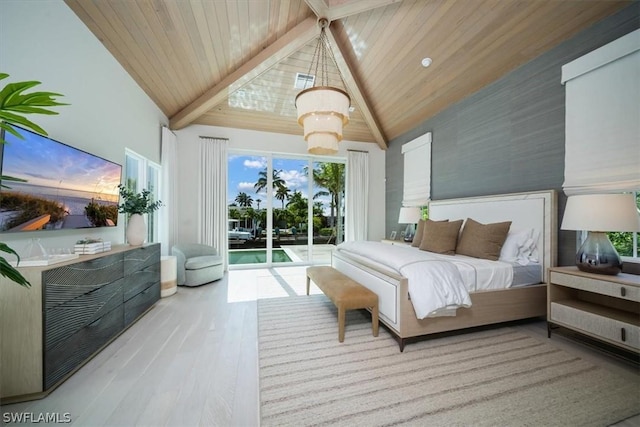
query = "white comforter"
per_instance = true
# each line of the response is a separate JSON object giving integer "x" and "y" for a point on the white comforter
{"x": 438, "y": 284}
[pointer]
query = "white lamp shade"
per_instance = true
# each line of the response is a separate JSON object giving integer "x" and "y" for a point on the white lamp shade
{"x": 601, "y": 212}
{"x": 323, "y": 100}
{"x": 322, "y": 143}
{"x": 322, "y": 112}
{"x": 409, "y": 215}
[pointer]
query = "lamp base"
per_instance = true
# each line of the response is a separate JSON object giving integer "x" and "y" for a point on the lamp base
{"x": 409, "y": 232}
{"x": 597, "y": 255}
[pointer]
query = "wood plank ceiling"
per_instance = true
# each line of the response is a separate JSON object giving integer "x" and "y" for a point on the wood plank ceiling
{"x": 233, "y": 63}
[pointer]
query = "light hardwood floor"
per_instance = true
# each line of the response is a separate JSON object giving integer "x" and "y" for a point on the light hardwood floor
{"x": 192, "y": 360}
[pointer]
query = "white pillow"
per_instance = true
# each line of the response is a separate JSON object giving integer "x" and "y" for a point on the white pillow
{"x": 520, "y": 246}
{"x": 529, "y": 250}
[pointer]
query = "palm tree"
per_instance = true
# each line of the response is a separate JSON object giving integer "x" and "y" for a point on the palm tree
{"x": 331, "y": 177}
{"x": 244, "y": 200}
{"x": 262, "y": 180}
{"x": 258, "y": 201}
{"x": 282, "y": 194}
{"x": 297, "y": 205}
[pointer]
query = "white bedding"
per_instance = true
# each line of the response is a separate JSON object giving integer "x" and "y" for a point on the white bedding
{"x": 438, "y": 284}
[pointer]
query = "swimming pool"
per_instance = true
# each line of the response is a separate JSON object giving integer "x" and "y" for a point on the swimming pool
{"x": 256, "y": 256}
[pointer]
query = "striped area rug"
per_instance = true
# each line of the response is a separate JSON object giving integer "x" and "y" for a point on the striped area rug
{"x": 496, "y": 377}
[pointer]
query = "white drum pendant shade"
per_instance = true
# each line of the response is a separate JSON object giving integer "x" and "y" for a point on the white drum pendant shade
{"x": 322, "y": 112}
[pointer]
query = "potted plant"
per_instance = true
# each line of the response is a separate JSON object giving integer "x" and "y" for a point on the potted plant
{"x": 135, "y": 205}
{"x": 14, "y": 104}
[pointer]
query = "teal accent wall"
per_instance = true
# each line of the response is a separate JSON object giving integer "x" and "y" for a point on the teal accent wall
{"x": 509, "y": 136}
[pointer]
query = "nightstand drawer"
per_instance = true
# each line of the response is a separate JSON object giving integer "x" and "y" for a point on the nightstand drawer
{"x": 602, "y": 287}
{"x": 618, "y": 328}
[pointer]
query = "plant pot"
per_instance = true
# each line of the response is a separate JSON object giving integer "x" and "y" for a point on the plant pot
{"x": 136, "y": 230}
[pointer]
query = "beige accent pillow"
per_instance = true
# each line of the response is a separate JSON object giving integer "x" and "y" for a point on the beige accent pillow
{"x": 440, "y": 237}
{"x": 417, "y": 238}
{"x": 482, "y": 240}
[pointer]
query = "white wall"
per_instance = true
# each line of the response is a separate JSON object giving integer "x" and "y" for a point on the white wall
{"x": 47, "y": 42}
{"x": 188, "y": 161}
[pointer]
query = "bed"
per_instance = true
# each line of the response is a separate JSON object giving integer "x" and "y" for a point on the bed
{"x": 532, "y": 210}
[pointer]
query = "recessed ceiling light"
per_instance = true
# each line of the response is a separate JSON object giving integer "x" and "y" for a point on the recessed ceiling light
{"x": 426, "y": 62}
{"x": 352, "y": 109}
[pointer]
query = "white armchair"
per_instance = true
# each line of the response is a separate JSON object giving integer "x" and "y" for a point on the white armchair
{"x": 197, "y": 264}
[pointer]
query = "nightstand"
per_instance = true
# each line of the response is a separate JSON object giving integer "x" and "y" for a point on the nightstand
{"x": 396, "y": 242}
{"x": 603, "y": 307}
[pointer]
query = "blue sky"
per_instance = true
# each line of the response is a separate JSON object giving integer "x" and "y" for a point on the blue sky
{"x": 42, "y": 161}
{"x": 243, "y": 174}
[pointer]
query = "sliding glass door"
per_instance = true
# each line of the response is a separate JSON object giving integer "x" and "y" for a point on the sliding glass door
{"x": 284, "y": 210}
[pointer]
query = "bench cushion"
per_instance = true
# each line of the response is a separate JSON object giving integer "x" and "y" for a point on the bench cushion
{"x": 340, "y": 289}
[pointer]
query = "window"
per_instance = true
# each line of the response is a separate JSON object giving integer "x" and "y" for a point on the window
{"x": 602, "y": 110}
{"x": 626, "y": 243}
{"x": 417, "y": 171}
{"x": 284, "y": 209}
{"x": 141, "y": 173}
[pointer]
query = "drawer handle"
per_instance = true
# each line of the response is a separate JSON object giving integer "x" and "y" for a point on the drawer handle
{"x": 623, "y": 292}
{"x": 623, "y": 335}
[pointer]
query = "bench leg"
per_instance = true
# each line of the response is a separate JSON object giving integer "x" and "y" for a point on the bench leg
{"x": 341, "y": 319}
{"x": 374, "y": 320}
{"x": 308, "y": 283}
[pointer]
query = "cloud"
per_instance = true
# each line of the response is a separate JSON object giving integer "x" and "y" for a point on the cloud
{"x": 246, "y": 186}
{"x": 255, "y": 163}
{"x": 294, "y": 179}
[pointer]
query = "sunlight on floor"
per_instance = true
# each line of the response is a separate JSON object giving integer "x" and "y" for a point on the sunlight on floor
{"x": 261, "y": 283}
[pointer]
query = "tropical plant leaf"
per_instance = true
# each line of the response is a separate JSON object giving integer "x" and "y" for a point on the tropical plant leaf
{"x": 8, "y": 271}
{"x": 7, "y": 127}
{"x": 19, "y": 120}
{"x": 14, "y": 104}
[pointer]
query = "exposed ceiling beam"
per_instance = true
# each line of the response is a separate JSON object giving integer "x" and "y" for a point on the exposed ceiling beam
{"x": 354, "y": 88}
{"x": 345, "y": 8}
{"x": 293, "y": 40}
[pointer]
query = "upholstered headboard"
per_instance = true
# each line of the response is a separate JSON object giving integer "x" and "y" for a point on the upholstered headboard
{"x": 535, "y": 210}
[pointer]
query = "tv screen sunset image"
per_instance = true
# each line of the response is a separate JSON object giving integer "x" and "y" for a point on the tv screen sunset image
{"x": 57, "y": 186}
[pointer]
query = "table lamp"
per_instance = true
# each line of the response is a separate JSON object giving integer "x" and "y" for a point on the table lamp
{"x": 598, "y": 214}
{"x": 409, "y": 216}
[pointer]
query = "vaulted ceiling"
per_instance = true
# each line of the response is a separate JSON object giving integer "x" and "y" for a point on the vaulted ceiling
{"x": 234, "y": 63}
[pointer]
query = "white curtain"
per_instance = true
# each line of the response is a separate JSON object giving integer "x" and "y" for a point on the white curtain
{"x": 417, "y": 171}
{"x": 602, "y": 145}
{"x": 167, "y": 215}
{"x": 213, "y": 194}
{"x": 357, "y": 196}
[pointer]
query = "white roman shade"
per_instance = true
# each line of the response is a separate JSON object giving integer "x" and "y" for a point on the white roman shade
{"x": 602, "y": 152}
{"x": 417, "y": 171}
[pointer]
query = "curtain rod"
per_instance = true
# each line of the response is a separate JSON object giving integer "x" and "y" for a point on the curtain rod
{"x": 214, "y": 137}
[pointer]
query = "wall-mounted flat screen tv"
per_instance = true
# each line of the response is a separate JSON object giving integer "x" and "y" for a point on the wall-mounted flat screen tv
{"x": 60, "y": 187}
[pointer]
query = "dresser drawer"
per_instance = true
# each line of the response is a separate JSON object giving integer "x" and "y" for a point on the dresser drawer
{"x": 602, "y": 287}
{"x": 137, "y": 305}
{"x": 62, "y": 321}
{"x": 616, "y": 327}
{"x": 68, "y": 354}
{"x": 66, "y": 283}
{"x": 141, "y": 259}
{"x": 140, "y": 280}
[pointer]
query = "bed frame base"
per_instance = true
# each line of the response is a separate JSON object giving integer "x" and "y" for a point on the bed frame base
{"x": 487, "y": 308}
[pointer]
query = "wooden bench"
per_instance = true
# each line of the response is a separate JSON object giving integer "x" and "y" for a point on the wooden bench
{"x": 345, "y": 293}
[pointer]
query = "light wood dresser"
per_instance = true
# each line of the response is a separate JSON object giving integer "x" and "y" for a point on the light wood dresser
{"x": 603, "y": 307}
{"x": 72, "y": 310}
